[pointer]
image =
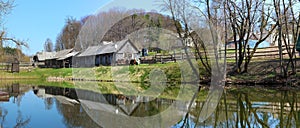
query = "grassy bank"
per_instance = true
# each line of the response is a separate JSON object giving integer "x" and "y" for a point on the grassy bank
{"x": 136, "y": 73}
{"x": 172, "y": 72}
{"x": 260, "y": 73}
{"x": 37, "y": 73}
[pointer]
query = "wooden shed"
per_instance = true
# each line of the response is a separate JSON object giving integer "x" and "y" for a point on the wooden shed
{"x": 66, "y": 61}
{"x": 15, "y": 66}
{"x": 60, "y": 59}
{"x": 41, "y": 57}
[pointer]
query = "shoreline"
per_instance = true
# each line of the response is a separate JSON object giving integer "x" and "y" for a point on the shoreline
{"x": 229, "y": 82}
{"x": 261, "y": 73}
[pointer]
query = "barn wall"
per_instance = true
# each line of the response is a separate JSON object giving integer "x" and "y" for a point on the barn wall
{"x": 86, "y": 61}
{"x": 104, "y": 59}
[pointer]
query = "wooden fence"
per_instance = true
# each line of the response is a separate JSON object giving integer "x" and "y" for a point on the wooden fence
{"x": 8, "y": 66}
{"x": 261, "y": 53}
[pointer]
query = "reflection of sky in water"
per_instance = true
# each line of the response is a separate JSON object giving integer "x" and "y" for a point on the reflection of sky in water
{"x": 189, "y": 123}
{"x": 34, "y": 108}
{"x": 56, "y": 112}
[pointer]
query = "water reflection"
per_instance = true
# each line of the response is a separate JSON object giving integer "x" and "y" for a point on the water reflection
{"x": 46, "y": 106}
{"x": 117, "y": 110}
{"x": 28, "y": 106}
{"x": 67, "y": 105}
{"x": 250, "y": 109}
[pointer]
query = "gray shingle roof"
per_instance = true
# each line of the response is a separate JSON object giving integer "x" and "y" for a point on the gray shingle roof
{"x": 62, "y": 53}
{"x": 92, "y": 50}
{"x": 68, "y": 55}
{"x": 42, "y": 56}
{"x": 109, "y": 48}
{"x": 103, "y": 49}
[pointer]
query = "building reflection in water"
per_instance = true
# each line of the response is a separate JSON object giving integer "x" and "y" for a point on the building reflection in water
{"x": 84, "y": 108}
{"x": 67, "y": 105}
{"x": 80, "y": 107}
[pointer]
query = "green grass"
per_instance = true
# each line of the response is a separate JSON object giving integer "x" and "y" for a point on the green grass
{"x": 151, "y": 53}
{"x": 136, "y": 73}
{"x": 37, "y": 73}
{"x": 230, "y": 51}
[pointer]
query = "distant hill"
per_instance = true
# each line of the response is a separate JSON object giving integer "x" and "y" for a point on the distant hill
{"x": 136, "y": 22}
{"x": 144, "y": 29}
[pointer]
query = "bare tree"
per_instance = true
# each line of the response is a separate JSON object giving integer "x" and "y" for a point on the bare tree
{"x": 188, "y": 18}
{"x": 183, "y": 15}
{"x": 5, "y": 8}
{"x": 48, "y": 46}
{"x": 59, "y": 45}
{"x": 69, "y": 34}
{"x": 288, "y": 32}
{"x": 96, "y": 26}
{"x": 248, "y": 19}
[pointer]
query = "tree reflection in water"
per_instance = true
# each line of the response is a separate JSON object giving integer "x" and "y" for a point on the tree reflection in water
{"x": 20, "y": 121}
{"x": 16, "y": 92}
{"x": 250, "y": 108}
{"x": 246, "y": 107}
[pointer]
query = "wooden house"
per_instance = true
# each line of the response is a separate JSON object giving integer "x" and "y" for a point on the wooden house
{"x": 60, "y": 59}
{"x": 66, "y": 61}
{"x": 87, "y": 57}
{"x": 41, "y": 57}
{"x": 118, "y": 53}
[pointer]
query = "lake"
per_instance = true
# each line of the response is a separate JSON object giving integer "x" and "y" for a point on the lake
{"x": 60, "y": 107}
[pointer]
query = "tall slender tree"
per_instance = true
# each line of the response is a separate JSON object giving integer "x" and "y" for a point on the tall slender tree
{"x": 48, "y": 46}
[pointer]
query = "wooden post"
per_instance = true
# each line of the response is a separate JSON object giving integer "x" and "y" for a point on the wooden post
{"x": 174, "y": 56}
{"x": 248, "y": 52}
{"x": 15, "y": 66}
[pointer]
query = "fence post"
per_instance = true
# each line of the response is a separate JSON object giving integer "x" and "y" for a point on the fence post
{"x": 248, "y": 52}
{"x": 174, "y": 56}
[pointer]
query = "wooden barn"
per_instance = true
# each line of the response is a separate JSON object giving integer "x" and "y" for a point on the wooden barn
{"x": 87, "y": 57}
{"x": 41, "y": 57}
{"x": 60, "y": 59}
{"x": 117, "y": 53}
{"x": 66, "y": 61}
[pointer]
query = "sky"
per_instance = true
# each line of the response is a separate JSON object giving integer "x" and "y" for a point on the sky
{"x": 36, "y": 20}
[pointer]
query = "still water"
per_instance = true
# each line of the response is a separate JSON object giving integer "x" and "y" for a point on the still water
{"x": 57, "y": 107}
